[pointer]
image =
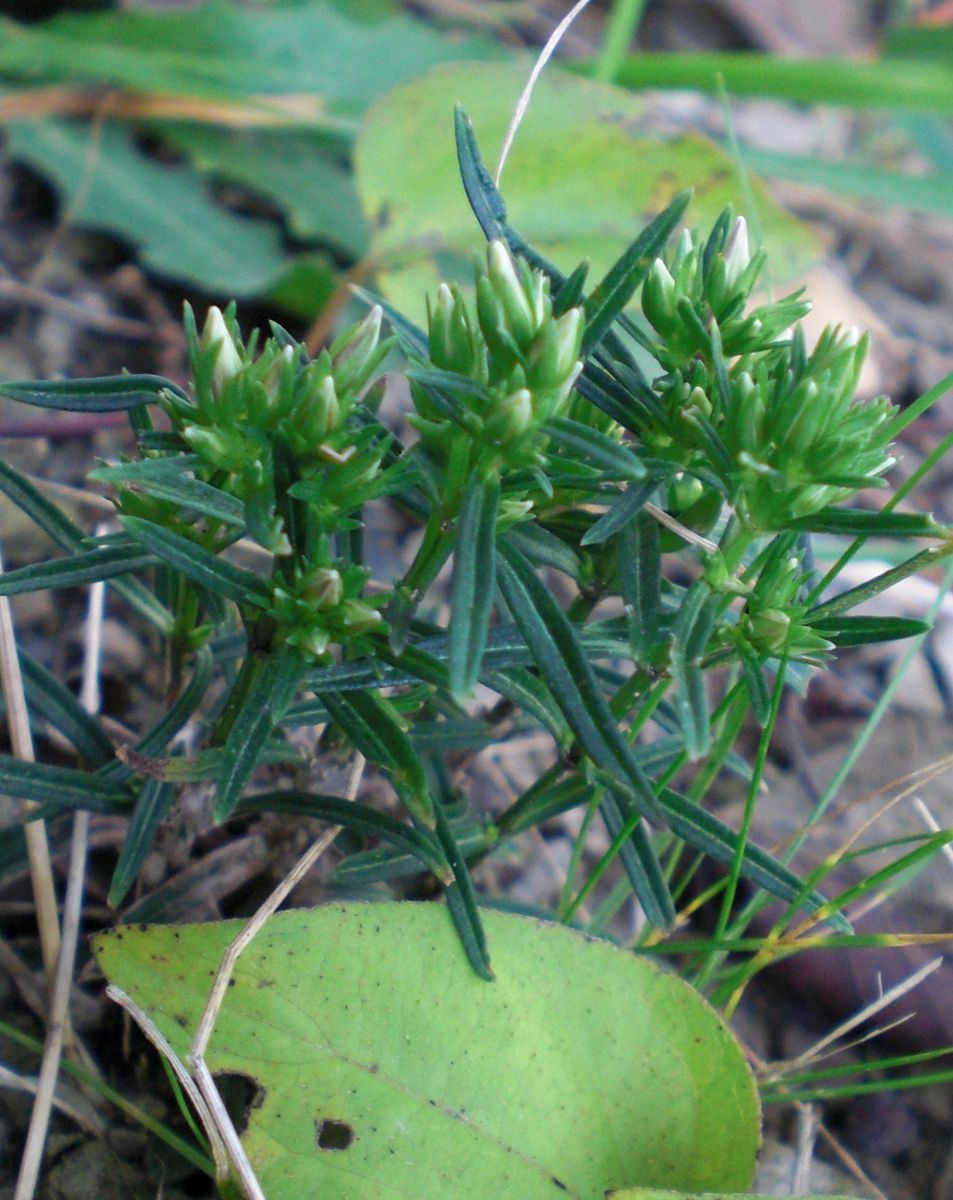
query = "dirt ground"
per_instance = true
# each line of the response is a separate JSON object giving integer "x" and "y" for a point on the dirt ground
{"x": 73, "y": 303}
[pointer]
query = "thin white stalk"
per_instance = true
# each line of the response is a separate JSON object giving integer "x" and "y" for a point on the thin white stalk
{"x": 21, "y": 741}
{"x": 527, "y": 93}
{"x": 72, "y": 916}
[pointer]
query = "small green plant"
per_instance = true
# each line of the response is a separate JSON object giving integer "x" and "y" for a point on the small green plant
{"x": 670, "y": 467}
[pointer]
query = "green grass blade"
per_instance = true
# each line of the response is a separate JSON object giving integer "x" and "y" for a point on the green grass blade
{"x": 916, "y": 85}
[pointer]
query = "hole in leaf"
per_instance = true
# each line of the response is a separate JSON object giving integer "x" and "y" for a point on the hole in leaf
{"x": 334, "y": 1135}
{"x": 240, "y": 1094}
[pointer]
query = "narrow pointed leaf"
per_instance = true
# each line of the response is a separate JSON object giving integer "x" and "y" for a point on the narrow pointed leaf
{"x": 91, "y": 566}
{"x": 152, "y": 805}
{"x": 865, "y": 523}
{"x": 49, "y": 699}
{"x": 610, "y": 456}
{"x": 109, "y": 393}
{"x": 267, "y": 698}
{"x": 474, "y": 581}
{"x": 560, "y": 658}
{"x": 462, "y": 901}
{"x": 640, "y": 861}
{"x": 420, "y": 844}
{"x": 70, "y": 537}
{"x": 623, "y": 510}
{"x": 640, "y": 579}
{"x": 219, "y": 577}
{"x": 610, "y": 297}
{"x": 373, "y": 730}
{"x": 706, "y": 833}
{"x": 545, "y": 549}
{"x": 861, "y": 631}
{"x": 172, "y": 720}
{"x": 59, "y": 787}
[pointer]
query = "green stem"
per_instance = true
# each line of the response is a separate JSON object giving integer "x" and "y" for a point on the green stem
{"x": 622, "y": 23}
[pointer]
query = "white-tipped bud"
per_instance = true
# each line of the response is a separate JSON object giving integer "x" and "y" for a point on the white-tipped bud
{"x": 736, "y": 253}
{"x": 227, "y": 361}
{"x": 509, "y": 292}
{"x": 323, "y": 588}
{"x": 658, "y": 298}
{"x": 512, "y": 417}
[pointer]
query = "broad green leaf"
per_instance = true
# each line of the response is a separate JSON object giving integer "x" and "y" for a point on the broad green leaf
{"x": 220, "y": 50}
{"x": 641, "y": 1193}
{"x": 165, "y": 212}
{"x": 581, "y": 1069}
{"x": 580, "y": 182}
{"x": 297, "y": 171}
{"x": 474, "y": 581}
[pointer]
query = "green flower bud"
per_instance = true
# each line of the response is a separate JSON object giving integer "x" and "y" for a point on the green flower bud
{"x": 357, "y": 352}
{"x": 226, "y": 448}
{"x": 357, "y": 616}
{"x": 658, "y": 298}
{"x": 558, "y": 357}
{"x": 228, "y": 361}
{"x": 768, "y": 630}
{"x": 322, "y": 588}
{"x": 511, "y": 417}
{"x": 736, "y": 253}
{"x": 521, "y": 318}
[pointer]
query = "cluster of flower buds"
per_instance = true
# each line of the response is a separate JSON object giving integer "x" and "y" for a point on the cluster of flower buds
{"x": 248, "y": 402}
{"x": 517, "y": 362}
{"x": 772, "y": 622}
{"x": 742, "y": 401}
{"x": 704, "y": 293}
{"x": 800, "y": 440}
{"x": 321, "y": 606}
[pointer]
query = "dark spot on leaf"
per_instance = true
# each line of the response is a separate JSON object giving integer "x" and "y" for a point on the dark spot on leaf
{"x": 143, "y": 928}
{"x": 333, "y": 1134}
{"x": 241, "y": 1094}
{"x": 181, "y": 1020}
{"x": 231, "y": 983}
{"x": 559, "y": 1183}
